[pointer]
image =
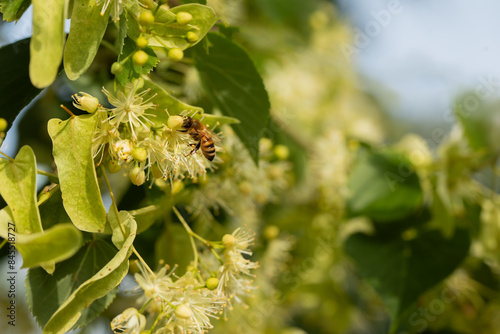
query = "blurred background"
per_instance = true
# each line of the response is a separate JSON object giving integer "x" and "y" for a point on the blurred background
{"x": 340, "y": 74}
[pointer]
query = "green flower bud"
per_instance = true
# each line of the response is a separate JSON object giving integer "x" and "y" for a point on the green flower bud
{"x": 175, "y": 122}
{"x": 271, "y": 232}
{"x": 175, "y": 54}
{"x": 140, "y": 154}
{"x": 141, "y": 42}
{"x": 116, "y": 68}
{"x": 140, "y": 58}
{"x": 183, "y": 312}
{"x": 137, "y": 176}
{"x": 146, "y": 19}
{"x": 281, "y": 152}
{"x": 191, "y": 37}
{"x": 89, "y": 103}
{"x": 177, "y": 187}
{"x": 3, "y": 124}
{"x": 228, "y": 241}
{"x": 184, "y": 18}
{"x": 212, "y": 283}
{"x": 114, "y": 167}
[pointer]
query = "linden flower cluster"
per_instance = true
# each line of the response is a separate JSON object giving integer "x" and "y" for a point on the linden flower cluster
{"x": 127, "y": 138}
{"x": 188, "y": 303}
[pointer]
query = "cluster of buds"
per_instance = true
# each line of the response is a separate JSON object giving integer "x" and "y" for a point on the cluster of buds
{"x": 146, "y": 21}
{"x": 127, "y": 139}
{"x": 188, "y": 303}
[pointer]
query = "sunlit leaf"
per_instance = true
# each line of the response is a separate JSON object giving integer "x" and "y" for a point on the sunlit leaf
{"x": 87, "y": 29}
{"x": 47, "y": 41}
{"x": 166, "y": 103}
{"x": 236, "y": 88}
{"x": 72, "y": 151}
{"x": 173, "y": 35}
{"x": 12, "y": 10}
{"x": 119, "y": 226}
{"x": 94, "y": 288}
{"x": 46, "y": 293}
{"x": 18, "y": 189}
{"x": 56, "y": 244}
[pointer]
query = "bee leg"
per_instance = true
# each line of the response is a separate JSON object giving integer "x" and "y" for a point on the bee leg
{"x": 196, "y": 147}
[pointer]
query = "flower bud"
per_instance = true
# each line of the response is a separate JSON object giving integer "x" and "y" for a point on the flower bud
{"x": 3, "y": 124}
{"x": 140, "y": 154}
{"x": 140, "y": 58}
{"x": 175, "y": 54}
{"x": 212, "y": 283}
{"x": 146, "y": 19}
{"x": 116, "y": 68}
{"x": 177, "y": 187}
{"x": 184, "y": 18}
{"x": 183, "y": 312}
{"x": 137, "y": 176}
{"x": 88, "y": 103}
{"x": 141, "y": 42}
{"x": 114, "y": 167}
{"x": 228, "y": 241}
{"x": 175, "y": 122}
{"x": 271, "y": 232}
{"x": 281, "y": 152}
{"x": 191, "y": 37}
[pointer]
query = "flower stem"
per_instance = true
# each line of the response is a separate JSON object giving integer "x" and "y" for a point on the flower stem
{"x": 120, "y": 223}
{"x": 190, "y": 233}
{"x": 5, "y": 155}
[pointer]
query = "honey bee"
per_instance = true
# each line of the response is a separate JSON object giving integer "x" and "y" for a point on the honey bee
{"x": 201, "y": 135}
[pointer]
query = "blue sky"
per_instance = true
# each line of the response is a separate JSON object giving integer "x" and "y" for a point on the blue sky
{"x": 427, "y": 53}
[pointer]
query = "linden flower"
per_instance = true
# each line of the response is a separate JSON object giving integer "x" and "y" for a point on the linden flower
{"x": 130, "y": 321}
{"x": 156, "y": 284}
{"x": 116, "y": 7}
{"x": 130, "y": 108}
{"x": 190, "y": 311}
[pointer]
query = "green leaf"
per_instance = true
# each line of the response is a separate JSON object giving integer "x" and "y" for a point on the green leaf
{"x": 47, "y": 41}
{"x": 47, "y": 293}
{"x": 383, "y": 186}
{"x": 56, "y": 244}
{"x": 130, "y": 70}
{"x": 481, "y": 122}
{"x": 118, "y": 237}
{"x": 94, "y": 288}
{"x": 236, "y": 88}
{"x": 18, "y": 188}
{"x": 72, "y": 140}
{"x": 167, "y": 102}
{"x": 401, "y": 270}
{"x": 215, "y": 120}
{"x": 169, "y": 34}
{"x": 87, "y": 29}
{"x": 16, "y": 90}
{"x": 12, "y": 10}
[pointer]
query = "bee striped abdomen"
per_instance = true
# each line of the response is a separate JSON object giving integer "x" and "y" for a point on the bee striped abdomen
{"x": 208, "y": 148}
